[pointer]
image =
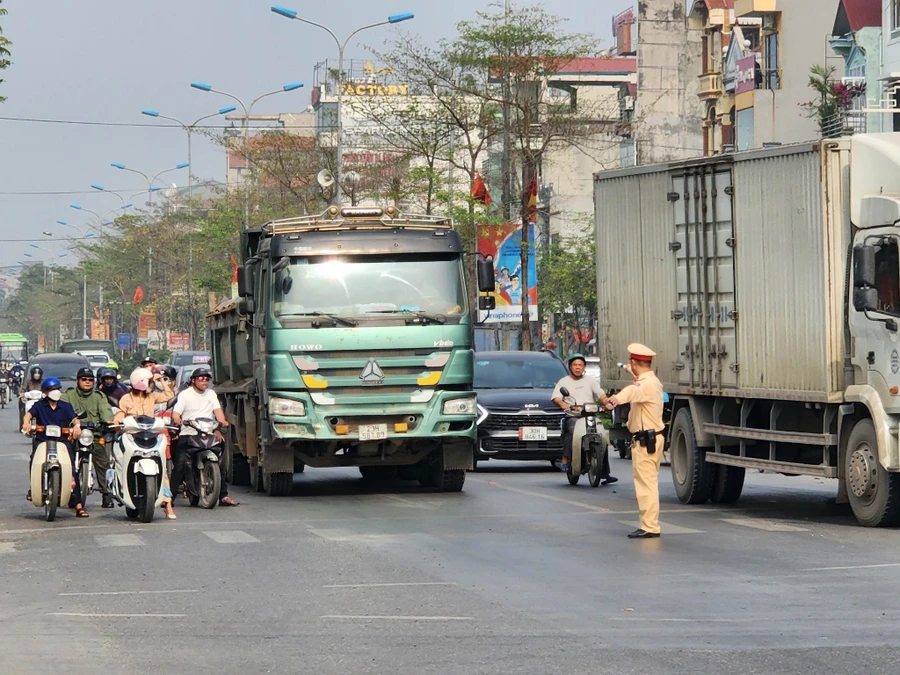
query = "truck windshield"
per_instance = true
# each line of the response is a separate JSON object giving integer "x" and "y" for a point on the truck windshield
{"x": 360, "y": 286}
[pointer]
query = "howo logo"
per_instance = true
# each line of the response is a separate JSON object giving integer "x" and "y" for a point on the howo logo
{"x": 372, "y": 375}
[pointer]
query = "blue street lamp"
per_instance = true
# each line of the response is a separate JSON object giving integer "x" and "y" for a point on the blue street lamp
{"x": 150, "y": 181}
{"x": 292, "y": 14}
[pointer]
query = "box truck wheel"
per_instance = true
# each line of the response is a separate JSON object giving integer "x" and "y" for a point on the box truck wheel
{"x": 278, "y": 483}
{"x": 874, "y": 493}
{"x": 690, "y": 472}
{"x": 727, "y": 484}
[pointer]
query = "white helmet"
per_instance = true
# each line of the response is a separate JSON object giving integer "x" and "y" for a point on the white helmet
{"x": 140, "y": 379}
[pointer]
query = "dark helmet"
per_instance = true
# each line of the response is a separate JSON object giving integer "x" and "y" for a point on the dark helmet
{"x": 103, "y": 373}
{"x": 149, "y": 359}
{"x": 576, "y": 357}
{"x": 169, "y": 372}
{"x": 84, "y": 372}
{"x": 36, "y": 372}
{"x": 51, "y": 383}
{"x": 201, "y": 372}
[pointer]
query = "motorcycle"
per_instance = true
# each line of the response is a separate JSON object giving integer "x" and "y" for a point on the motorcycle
{"x": 51, "y": 471}
{"x": 136, "y": 479}
{"x": 203, "y": 474}
{"x": 84, "y": 456}
{"x": 589, "y": 442}
{"x": 5, "y": 384}
{"x": 27, "y": 400}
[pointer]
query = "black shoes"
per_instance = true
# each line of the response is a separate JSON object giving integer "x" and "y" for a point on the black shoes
{"x": 107, "y": 502}
{"x": 643, "y": 534}
{"x": 609, "y": 480}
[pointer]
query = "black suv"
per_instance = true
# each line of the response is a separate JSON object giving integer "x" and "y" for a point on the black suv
{"x": 516, "y": 417}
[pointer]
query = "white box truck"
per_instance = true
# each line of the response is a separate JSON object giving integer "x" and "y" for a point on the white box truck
{"x": 768, "y": 282}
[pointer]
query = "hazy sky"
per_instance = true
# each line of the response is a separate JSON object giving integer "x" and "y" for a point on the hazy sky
{"x": 105, "y": 60}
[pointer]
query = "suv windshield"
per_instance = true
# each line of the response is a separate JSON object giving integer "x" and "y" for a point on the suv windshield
{"x": 367, "y": 286}
{"x": 517, "y": 372}
{"x": 64, "y": 369}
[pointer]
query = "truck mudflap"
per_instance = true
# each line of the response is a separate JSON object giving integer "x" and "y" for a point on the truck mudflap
{"x": 885, "y": 426}
{"x": 458, "y": 454}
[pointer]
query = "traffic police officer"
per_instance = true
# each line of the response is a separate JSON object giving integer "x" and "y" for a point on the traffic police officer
{"x": 645, "y": 423}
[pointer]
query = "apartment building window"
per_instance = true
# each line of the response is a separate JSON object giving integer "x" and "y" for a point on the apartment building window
{"x": 772, "y": 78}
{"x": 895, "y": 15}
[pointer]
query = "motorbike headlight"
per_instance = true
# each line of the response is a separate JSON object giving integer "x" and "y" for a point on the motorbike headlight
{"x": 482, "y": 414}
{"x": 204, "y": 426}
{"x": 52, "y": 431}
{"x": 87, "y": 437}
{"x": 460, "y": 406}
{"x": 287, "y": 407}
{"x": 591, "y": 408}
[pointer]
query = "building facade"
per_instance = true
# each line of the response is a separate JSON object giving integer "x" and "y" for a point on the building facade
{"x": 856, "y": 36}
{"x": 714, "y": 20}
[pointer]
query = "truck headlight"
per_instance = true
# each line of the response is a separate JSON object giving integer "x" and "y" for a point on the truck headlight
{"x": 287, "y": 407}
{"x": 459, "y": 406}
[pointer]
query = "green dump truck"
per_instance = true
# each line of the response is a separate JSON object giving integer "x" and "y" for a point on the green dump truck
{"x": 351, "y": 345}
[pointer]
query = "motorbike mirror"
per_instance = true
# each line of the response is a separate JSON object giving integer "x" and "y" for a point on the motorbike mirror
{"x": 564, "y": 391}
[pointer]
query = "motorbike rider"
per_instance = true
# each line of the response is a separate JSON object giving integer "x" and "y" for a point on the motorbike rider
{"x": 149, "y": 362}
{"x": 33, "y": 383}
{"x": 85, "y": 399}
{"x": 18, "y": 373}
{"x": 6, "y": 374}
{"x": 110, "y": 386}
{"x": 51, "y": 410}
{"x": 197, "y": 401}
{"x": 147, "y": 390}
{"x": 583, "y": 389}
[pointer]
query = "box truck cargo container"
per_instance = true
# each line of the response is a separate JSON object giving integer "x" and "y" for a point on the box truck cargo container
{"x": 768, "y": 282}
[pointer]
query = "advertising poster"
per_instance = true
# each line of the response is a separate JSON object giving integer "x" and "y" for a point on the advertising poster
{"x": 504, "y": 244}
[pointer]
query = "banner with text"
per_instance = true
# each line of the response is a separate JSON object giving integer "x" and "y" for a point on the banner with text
{"x": 504, "y": 244}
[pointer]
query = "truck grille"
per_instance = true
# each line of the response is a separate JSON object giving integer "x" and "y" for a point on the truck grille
{"x": 512, "y": 421}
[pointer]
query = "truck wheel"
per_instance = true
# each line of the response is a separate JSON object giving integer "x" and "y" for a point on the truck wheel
{"x": 278, "y": 484}
{"x": 690, "y": 472}
{"x": 433, "y": 475}
{"x": 240, "y": 471}
{"x": 452, "y": 481}
{"x": 727, "y": 484}
{"x": 874, "y": 493}
{"x": 256, "y": 481}
{"x": 299, "y": 466}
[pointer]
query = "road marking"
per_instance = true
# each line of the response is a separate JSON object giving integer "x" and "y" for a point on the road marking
{"x": 410, "y": 583}
{"x": 850, "y": 567}
{"x": 349, "y": 535}
{"x": 231, "y": 537}
{"x": 764, "y": 524}
{"x": 65, "y": 595}
{"x": 643, "y": 620}
{"x": 365, "y": 617}
{"x": 118, "y": 616}
{"x": 667, "y": 528}
{"x": 109, "y": 540}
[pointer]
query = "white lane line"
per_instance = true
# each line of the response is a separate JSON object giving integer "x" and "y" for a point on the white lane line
{"x": 372, "y": 617}
{"x": 231, "y": 537}
{"x": 764, "y": 524}
{"x": 118, "y": 616}
{"x": 108, "y": 540}
{"x": 125, "y": 593}
{"x": 338, "y": 534}
{"x": 850, "y": 567}
{"x": 642, "y": 620}
{"x": 410, "y": 583}
{"x": 666, "y": 528}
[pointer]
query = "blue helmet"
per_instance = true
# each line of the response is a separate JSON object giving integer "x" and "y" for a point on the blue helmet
{"x": 575, "y": 357}
{"x": 51, "y": 383}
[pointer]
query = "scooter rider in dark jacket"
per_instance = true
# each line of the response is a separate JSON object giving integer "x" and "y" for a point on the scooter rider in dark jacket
{"x": 110, "y": 386}
{"x": 33, "y": 383}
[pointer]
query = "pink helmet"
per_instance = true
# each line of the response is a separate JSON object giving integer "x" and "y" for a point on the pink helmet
{"x": 140, "y": 379}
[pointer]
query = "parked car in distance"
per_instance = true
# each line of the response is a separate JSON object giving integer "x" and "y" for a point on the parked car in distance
{"x": 194, "y": 359}
{"x": 517, "y": 420}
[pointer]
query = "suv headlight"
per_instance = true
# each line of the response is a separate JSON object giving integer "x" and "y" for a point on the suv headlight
{"x": 287, "y": 407}
{"x": 459, "y": 406}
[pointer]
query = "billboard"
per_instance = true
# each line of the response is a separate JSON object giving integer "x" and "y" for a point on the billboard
{"x": 503, "y": 243}
{"x": 745, "y": 77}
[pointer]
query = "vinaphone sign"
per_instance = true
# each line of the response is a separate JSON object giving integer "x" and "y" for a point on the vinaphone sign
{"x": 351, "y": 89}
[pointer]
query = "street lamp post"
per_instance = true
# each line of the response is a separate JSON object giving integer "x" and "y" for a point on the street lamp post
{"x": 126, "y": 202}
{"x": 202, "y": 86}
{"x": 83, "y": 277}
{"x": 189, "y": 129}
{"x": 103, "y": 223}
{"x": 292, "y": 14}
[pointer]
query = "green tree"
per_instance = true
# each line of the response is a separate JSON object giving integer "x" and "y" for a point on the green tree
{"x": 4, "y": 50}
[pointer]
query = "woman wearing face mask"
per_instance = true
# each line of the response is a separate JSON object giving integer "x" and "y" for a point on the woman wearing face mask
{"x": 51, "y": 411}
{"x": 147, "y": 390}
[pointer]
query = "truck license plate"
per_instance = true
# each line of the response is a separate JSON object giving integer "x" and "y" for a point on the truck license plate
{"x": 372, "y": 432}
{"x": 532, "y": 433}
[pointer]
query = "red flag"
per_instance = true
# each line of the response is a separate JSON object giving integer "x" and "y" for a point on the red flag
{"x": 480, "y": 191}
{"x": 234, "y": 269}
{"x": 138, "y": 296}
{"x": 533, "y": 198}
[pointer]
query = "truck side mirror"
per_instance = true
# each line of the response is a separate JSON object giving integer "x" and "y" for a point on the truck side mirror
{"x": 486, "y": 303}
{"x": 485, "y": 271}
{"x": 247, "y": 306}
{"x": 865, "y": 299}
{"x": 245, "y": 281}
{"x": 863, "y": 267}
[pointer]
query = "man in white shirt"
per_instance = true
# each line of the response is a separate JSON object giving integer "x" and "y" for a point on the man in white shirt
{"x": 582, "y": 389}
{"x": 195, "y": 402}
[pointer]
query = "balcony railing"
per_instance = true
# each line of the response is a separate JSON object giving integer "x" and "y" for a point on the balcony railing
{"x": 710, "y": 86}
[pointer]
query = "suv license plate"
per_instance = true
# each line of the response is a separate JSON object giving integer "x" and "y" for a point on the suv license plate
{"x": 532, "y": 433}
{"x": 372, "y": 432}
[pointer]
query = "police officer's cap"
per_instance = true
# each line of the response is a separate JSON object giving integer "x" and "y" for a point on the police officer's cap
{"x": 640, "y": 352}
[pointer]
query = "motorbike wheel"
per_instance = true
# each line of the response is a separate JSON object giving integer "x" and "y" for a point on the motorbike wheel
{"x": 131, "y": 513}
{"x": 84, "y": 477}
{"x": 147, "y": 506}
{"x": 210, "y": 484}
{"x": 51, "y": 501}
{"x": 573, "y": 477}
{"x": 594, "y": 470}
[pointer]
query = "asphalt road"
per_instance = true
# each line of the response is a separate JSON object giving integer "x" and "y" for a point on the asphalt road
{"x": 520, "y": 573}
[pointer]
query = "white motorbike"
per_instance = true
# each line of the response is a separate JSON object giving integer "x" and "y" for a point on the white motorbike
{"x": 5, "y": 384}
{"x": 51, "y": 471}
{"x": 589, "y": 443}
{"x": 139, "y": 457}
